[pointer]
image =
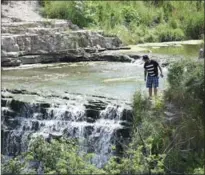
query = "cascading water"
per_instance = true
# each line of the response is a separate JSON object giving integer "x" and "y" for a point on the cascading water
{"x": 96, "y": 133}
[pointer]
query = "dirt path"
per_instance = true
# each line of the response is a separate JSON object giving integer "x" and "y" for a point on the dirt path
{"x": 12, "y": 11}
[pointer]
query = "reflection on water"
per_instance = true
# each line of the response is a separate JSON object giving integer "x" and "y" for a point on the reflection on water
{"x": 186, "y": 50}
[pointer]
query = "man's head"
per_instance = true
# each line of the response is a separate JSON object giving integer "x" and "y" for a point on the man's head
{"x": 145, "y": 58}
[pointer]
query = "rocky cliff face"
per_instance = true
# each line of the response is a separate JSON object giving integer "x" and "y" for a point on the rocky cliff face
{"x": 50, "y": 41}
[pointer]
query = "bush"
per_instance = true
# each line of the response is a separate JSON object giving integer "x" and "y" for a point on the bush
{"x": 194, "y": 27}
{"x": 73, "y": 10}
{"x": 57, "y": 157}
{"x": 186, "y": 92}
{"x": 165, "y": 33}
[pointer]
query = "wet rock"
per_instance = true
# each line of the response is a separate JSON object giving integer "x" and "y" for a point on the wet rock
{"x": 127, "y": 115}
{"x": 17, "y": 91}
{"x": 12, "y": 123}
{"x": 134, "y": 56}
{"x": 5, "y": 60}
{"x": 10, "y": 62}
{"x": 124, "y": 48}
{"x": 123, "y": 133}
{"x": 112, "y": 42}
{"x": 122, "y": 138}
{"x": 40, "y": 169}
{"x": 88, "y": 131}
{"x": 109, "y": 56}
{"x": 11, "y": 143}
{"x": 3, "y": 102}
{"x": 92, "y": 115}
{"x": 33, "y": 59}
{"x": 44, "y": 105}
{"x": 34, "y": 164}
{"x": 55, "y": 135}
{"x": 66, "y": 98}
{"x": 4, "y": 136}
{"x": 17, "y": 105}
{"x": 35, "y": 125}
{"x": 8, "y": 113}
{"x": 94, "y": 49}
{"x": 165, "y": 64}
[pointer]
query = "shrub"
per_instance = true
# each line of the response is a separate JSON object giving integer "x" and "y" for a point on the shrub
{"x": 194, "y": 26}
{"x": 186, "y": 92}
{"x": 165, "y": 33}
{"x": 57, "y": 157}
{"x": 73, "y": 10}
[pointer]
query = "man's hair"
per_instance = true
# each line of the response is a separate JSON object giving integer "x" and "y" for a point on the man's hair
{"x": 145, "y": 57}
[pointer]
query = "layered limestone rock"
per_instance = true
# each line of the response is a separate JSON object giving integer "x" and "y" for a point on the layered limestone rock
{"x": 51, "y": 41}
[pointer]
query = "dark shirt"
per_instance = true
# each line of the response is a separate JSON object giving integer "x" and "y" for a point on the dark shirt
{"x": 152, "y": 68}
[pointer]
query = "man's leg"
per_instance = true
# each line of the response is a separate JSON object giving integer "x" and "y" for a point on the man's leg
{"x": 155, "y": 91}
{"x": 149, "y": 86}
{"x": 156, "y": 84}
{"x": 150, "y": 92}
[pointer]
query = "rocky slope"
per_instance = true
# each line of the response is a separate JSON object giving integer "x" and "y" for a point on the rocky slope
{"x": 29, "y": 39}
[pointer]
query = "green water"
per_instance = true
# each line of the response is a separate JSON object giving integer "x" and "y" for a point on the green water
{"x": 111, "y": 79}
{"x": 185, "y": 50}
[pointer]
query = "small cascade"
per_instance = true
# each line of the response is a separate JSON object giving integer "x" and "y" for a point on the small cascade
{"x": 138, "y": 62}
{"x": 97, "y": 136}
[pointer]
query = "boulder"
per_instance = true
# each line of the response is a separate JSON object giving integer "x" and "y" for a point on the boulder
{"x": 55, "y": 135}
{"x": 8, "y": 62}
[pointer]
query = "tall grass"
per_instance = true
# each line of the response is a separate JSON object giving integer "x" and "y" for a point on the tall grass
{"x": 134, "y": 21}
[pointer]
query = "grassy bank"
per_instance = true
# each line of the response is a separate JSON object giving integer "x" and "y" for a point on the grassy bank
{"x": 134, "y": 21}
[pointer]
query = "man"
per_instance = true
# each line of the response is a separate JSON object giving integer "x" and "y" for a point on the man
{"x": 151, "y": 74}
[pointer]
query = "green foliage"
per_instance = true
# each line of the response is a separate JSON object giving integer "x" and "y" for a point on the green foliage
{"x": 14, "y": 166}
{"x": 199, "y": 171}
{"x": 186, "y": 82}
{"x": 76, "y": 11}
{"x": 194, "y": 27}
{"x": 179, "y": 143}
{"x": 57, "y": 157}
{"x": 186, "y": 92}
{"x": 140, "y": 108}
{"x": 134, "y": 21}
{"x": 165, "y": 33}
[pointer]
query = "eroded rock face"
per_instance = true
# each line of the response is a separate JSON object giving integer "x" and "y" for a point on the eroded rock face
{"x": 50, "y": 41}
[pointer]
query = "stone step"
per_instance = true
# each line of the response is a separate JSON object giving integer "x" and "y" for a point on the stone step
{"x": 49, "y": 23}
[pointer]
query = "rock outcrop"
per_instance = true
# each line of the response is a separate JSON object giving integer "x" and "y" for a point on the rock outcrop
{"x": 52, "y": 41}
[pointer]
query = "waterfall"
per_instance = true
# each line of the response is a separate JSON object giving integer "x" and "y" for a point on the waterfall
{"x": 97, "y": 136}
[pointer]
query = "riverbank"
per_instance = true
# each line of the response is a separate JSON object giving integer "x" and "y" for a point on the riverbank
{"x": 42, "y": 40}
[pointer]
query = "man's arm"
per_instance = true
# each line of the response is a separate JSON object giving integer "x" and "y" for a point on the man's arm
{"x": 145, "y": 74}
{"x": 160, "y": 71}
